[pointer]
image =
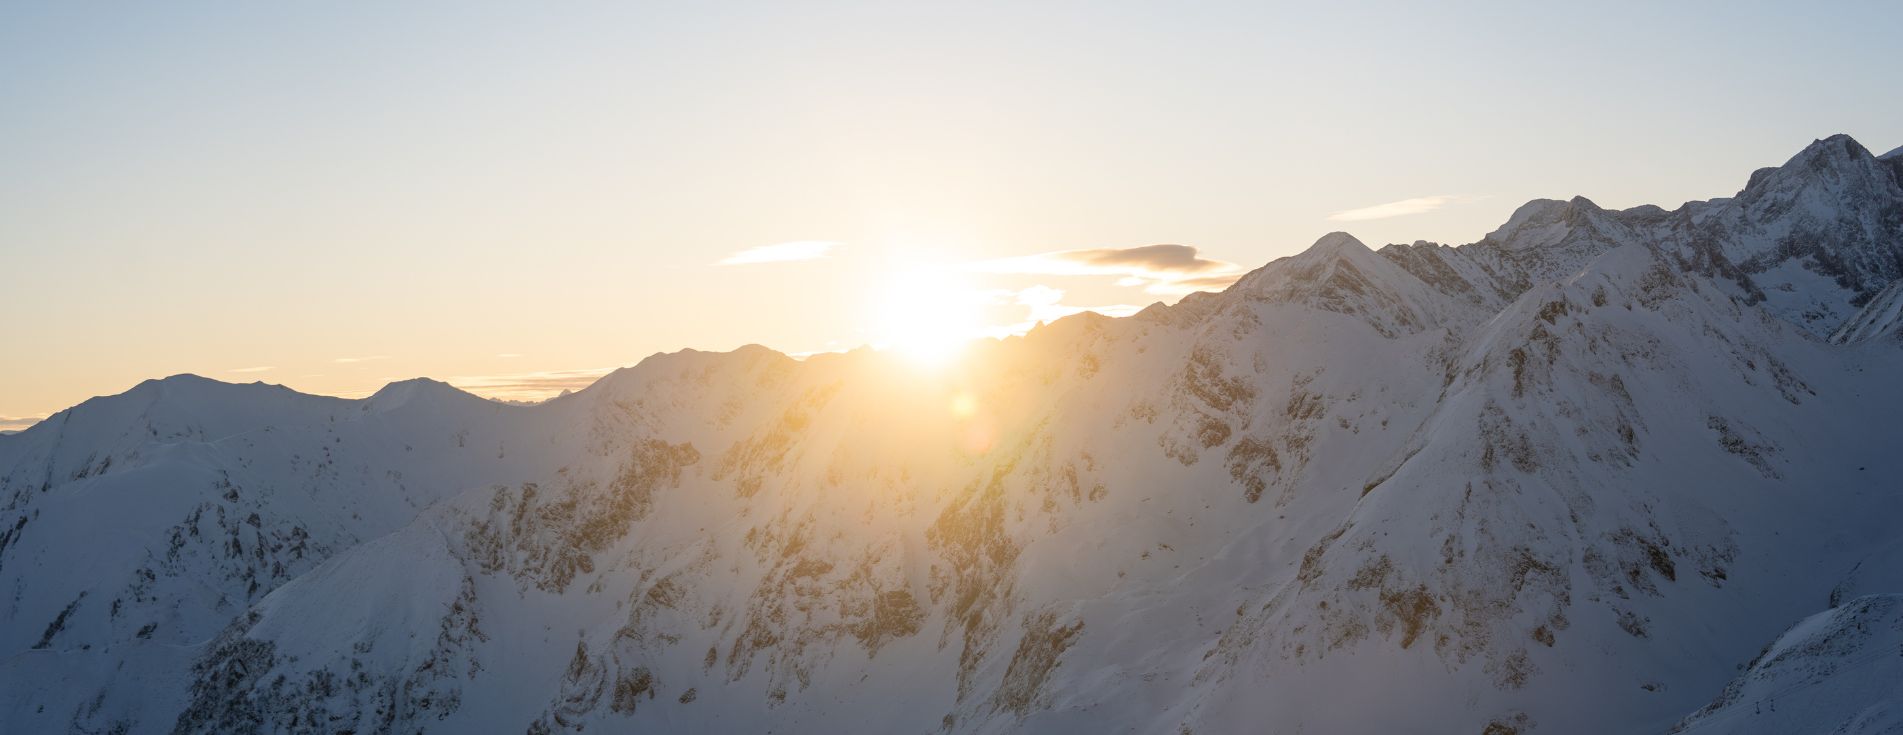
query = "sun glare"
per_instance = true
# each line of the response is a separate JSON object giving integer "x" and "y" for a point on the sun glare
{"x": 928, "y": 314}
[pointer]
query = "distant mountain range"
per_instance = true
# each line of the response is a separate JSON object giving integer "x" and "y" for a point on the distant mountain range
{"x": 1601, "y": 471}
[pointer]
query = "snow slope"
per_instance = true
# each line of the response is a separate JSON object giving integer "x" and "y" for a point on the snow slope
{"x": 1569, "y": 478}
{"x": 1839, "y": 671}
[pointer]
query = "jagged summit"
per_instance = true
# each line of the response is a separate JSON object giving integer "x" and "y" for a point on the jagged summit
{"x": 1533, "y": 211}
{"x": 1278, "y": 274}
{"x": 1838, "y": 161}
{"x": 1838, "y": 148}
{"x": 1812, "y": 238}
{"x": 1763, "y": 243}
{"x": 1325, "y": 248}
{"x": 1544, "y": 223}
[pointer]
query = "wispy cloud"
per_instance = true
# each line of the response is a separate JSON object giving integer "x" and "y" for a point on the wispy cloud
{"x": 348, "y": 360}
{"x": 10, "y": 424}
{"x": 533, "y": 386}
{"x": 785, "y": 252}
{"x": 1184, "y": 286}
{"x": 1148, "y": 262}
{"x": 1159, "y": 269}
{"x": 258, "y": 369}
{"x": 1403, "y": 208}
{"x": 1045, "y": 304}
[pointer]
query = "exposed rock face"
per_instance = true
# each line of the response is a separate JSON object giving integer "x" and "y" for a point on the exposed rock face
{"x": 1569, "y": 477}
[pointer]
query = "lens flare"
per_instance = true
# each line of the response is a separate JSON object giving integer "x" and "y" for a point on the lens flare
{"x": 964, "y": 405}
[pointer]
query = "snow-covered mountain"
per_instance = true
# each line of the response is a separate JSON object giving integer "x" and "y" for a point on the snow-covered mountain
{"x": 1573, "y": 477}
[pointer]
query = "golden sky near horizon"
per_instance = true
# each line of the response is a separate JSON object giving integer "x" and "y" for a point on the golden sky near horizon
{"x": 517, "y": 199}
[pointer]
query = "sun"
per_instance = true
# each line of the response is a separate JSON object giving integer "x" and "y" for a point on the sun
{"x": 927, "y": 314}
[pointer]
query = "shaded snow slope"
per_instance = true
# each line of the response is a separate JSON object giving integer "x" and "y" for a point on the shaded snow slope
{"x": 1839, "y": 671}
{"x": 1878, "y": 319}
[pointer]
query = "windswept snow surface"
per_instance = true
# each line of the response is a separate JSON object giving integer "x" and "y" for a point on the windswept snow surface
{"x": 1570, "y": 478}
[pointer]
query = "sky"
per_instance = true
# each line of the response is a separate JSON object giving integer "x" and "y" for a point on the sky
{"x": 517, "y": 197}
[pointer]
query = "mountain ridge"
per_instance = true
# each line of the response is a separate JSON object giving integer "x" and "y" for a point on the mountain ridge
{"x": 1821, "y": 155}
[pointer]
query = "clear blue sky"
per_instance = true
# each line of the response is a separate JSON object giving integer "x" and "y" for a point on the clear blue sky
{"x": 226, "y": 187}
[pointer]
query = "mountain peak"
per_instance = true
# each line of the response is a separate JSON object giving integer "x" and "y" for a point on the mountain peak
{"x": 1535, "y": 210}
{"x": 1335, "y": 242}
{"x": 1838, "y": 147}
{"x": 1542, "y": 222}
{"x": 1827, "y": 154}
{"x": 181, "y": 379}
{"x": 194, "y": 388}
{"x": 1841, "y": 141}
{"x": 406, "y": 392}
{"x": 1328, "y": 249}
